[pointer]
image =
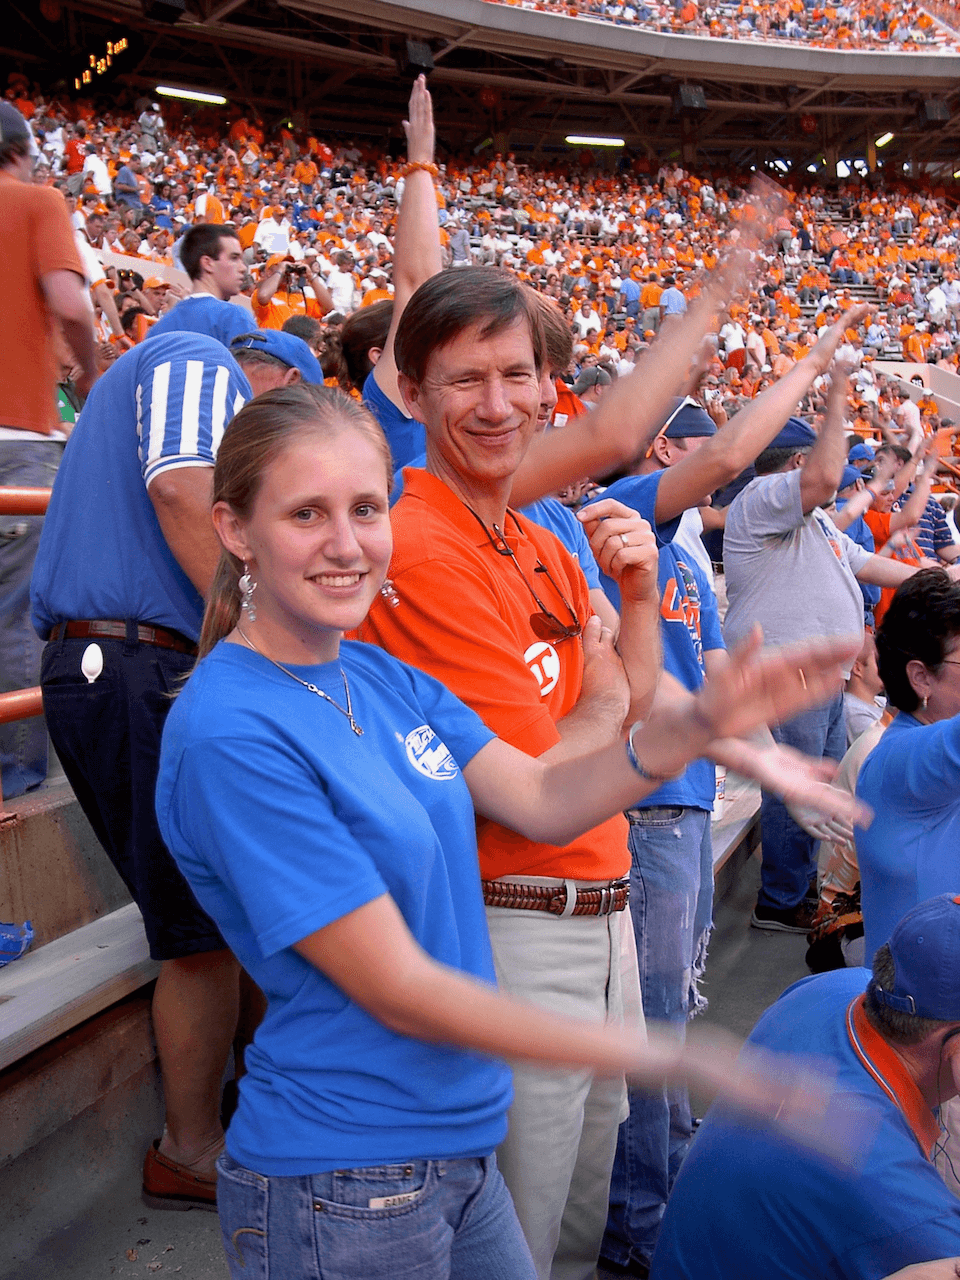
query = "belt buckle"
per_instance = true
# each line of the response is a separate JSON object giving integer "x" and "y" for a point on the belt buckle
{"x": 606, "y": 900}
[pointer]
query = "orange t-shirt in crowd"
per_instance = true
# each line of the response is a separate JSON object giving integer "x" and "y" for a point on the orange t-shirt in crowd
{"x": 282, "y": 306}
{"x": 879, "y": 524}
{"x": 568, "y": 405}
{"x": 37, "y": 239}
{"x": 464, "y": 617}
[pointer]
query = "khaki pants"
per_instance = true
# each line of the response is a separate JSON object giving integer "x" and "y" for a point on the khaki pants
{"x": 558, "y": 1153}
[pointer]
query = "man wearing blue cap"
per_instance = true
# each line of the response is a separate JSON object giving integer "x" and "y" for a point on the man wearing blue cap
{"x": 790, "y": 569}
{"x": 861, "y": 456}
{"x": 764, "y": 1206}
{"x": 671, "y": 881}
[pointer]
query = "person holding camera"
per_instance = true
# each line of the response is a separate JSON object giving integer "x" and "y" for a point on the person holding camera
{"x": 288, "y": 288}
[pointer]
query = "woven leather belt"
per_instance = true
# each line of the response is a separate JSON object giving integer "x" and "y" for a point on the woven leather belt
{"x": 102, "y": 629}
{"x": 600, "y": 901}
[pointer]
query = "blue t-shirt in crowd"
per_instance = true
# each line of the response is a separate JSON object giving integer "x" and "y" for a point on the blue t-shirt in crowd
{"x": 862, "y": 535}
{"x": 549, "y": 513}
{"x": 284, "y": 820}
{"x": 126, "y": 178}
{"x": 911, "y": 780}
{"x": 689, "y": 626}
{"x": 162, "y": 406}
{"x": 631, "y": 294}
{"x": 750, "y": 1203}
{"x": 672, "y": 302}
{"x": 203, "y": 313}
{"x": 406, "y": 436}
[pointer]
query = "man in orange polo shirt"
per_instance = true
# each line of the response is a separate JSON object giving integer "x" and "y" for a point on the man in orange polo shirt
{"x": 494, "y": 607}
{"x": 46, "y": 290}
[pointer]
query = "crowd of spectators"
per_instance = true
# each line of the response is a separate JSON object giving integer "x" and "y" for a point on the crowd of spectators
{"x": 751, "y": 296}
{"x": 860, "y": 24}
{"x": 616, "y": 251}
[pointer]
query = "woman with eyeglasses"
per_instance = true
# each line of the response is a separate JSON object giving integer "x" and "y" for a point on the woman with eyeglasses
{"x": 912, "y": 776}
{"x": 320, "y": 795}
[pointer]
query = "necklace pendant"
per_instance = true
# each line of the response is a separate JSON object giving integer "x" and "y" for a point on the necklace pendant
{"x": 356, "y": 728}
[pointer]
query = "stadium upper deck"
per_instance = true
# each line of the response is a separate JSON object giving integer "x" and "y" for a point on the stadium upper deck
{"x": 857, "y": 24}
{"x": 512, "y": 76}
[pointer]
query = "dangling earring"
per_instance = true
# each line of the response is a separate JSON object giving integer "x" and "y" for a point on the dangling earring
{"x": 923, "y": 703}
{"x": 247, "y": 588}
{"x": 389, "y": 593}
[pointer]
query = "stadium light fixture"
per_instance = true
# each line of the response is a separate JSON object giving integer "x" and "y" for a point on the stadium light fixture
{"x": 843, "y": 169}
{"x": 585, "y": 140}
{"x": 884, "y": 139}
{"x": 191, "y": 95}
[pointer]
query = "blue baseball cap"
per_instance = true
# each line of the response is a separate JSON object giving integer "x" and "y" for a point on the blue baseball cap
{"x": 687, "y": 419}
{"x": 850, "y": 476}
{"x": 795, "y": 435}
{"x": 861, "y": 453}
{"x": 286, "y": 347}
{"x": 925, "y": 947}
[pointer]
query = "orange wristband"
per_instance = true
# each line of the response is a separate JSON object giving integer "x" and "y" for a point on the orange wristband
{"x": 414, "y": 165}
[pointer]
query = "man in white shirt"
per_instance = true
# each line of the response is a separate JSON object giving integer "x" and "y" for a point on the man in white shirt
{"x": 98, "y": 172}
{"x": 342, "y": 284}
{"x": 586, "y": 319}
{"x": 271, "y": 234}
{"x": 937, "y": 304}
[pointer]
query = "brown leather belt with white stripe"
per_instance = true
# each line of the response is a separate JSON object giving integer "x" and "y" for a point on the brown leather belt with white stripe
{"x": 601, "y": 900}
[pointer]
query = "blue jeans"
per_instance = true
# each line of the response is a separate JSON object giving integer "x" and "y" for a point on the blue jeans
{"x": 671, "y": 901}
{"x": 23, "y": 745}
{"x": 455, "y": 1221}
{"x": 789, "y": 854}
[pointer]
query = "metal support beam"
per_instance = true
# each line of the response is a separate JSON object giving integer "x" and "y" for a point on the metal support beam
{"x": 453, "y": 44}
{"x": 812, "y": 93}
{"x": 220, "y": 11}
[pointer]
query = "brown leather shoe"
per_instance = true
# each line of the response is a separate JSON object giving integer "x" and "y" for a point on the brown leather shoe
{"x": 168, "y": 1185}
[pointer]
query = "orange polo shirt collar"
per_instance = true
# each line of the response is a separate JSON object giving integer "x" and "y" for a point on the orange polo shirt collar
{"x": 882, "y": 1064}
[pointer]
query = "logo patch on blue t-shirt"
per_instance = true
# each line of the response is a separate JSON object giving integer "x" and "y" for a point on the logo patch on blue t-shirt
{"x": 429, "y": 755}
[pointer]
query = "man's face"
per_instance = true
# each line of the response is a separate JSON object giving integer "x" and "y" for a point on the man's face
{"x": 228, "y": 268}
{"x": 479, "y": 402}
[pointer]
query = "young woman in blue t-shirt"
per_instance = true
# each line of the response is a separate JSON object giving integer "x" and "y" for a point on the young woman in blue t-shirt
{"x": 320, "y": 796}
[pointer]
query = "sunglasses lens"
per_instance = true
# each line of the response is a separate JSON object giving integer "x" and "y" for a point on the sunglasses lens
{"x": 546, "y": 627}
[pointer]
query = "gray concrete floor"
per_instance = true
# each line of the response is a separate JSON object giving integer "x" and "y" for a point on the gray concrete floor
{"x": 122, "y": 1239}
{"x": 118, "y": 1237}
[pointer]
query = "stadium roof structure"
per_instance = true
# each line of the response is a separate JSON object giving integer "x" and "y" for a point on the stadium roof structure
{"x": 521, "y": 79}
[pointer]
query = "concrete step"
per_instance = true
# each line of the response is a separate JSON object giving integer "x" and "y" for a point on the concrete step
{"x": 52, "y": 868}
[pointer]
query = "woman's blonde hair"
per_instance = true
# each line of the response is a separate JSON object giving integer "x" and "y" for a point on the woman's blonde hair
{"x": 252, "y": 443}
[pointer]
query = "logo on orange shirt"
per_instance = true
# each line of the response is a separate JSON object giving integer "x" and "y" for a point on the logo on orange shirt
{"x": 544, "y": 663}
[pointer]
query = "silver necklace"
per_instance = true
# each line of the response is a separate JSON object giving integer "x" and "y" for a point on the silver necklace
{"x": 344, "y": 711}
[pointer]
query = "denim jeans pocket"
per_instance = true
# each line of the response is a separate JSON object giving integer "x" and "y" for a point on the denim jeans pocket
{"x": 242, "y": 1203}
{"x": 662, "y": 815}
{"x": 378, "y": 1191}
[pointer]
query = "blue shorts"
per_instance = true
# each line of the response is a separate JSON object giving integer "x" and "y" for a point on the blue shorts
{"x": 107, "y": 735}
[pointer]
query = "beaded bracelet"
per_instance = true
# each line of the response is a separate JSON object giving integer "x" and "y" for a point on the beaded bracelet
{"x": 638, "y": 767}
{"x": 414, "y": 165}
